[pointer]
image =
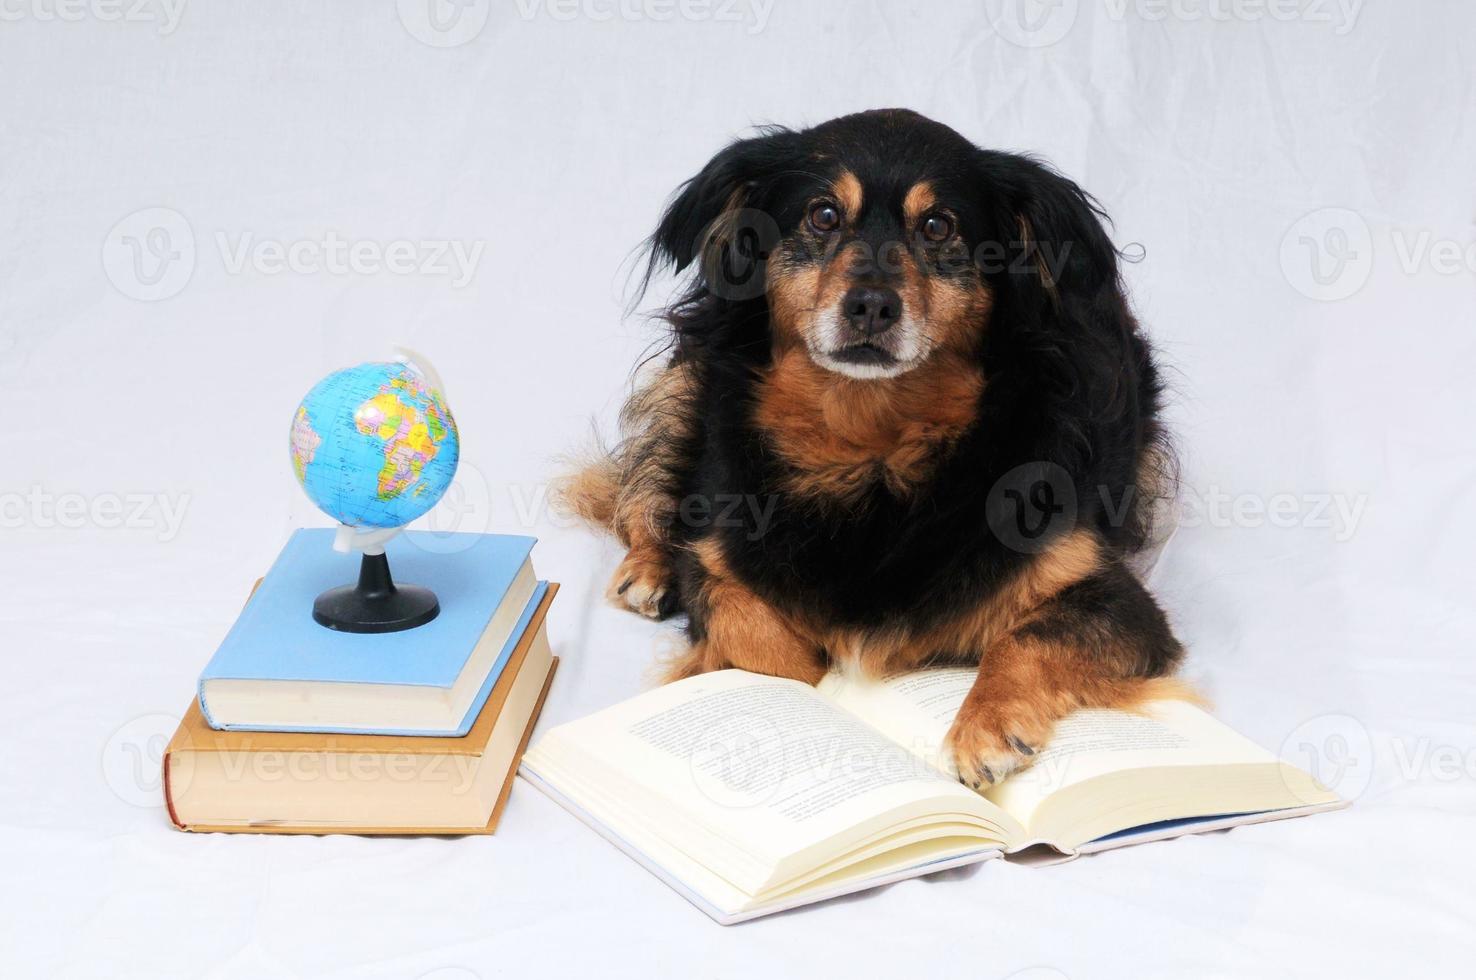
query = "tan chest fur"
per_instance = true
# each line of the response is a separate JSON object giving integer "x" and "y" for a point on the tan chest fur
{"x": 840, "y": 436}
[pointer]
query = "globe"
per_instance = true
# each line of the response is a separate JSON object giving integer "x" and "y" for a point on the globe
{"x": 374, "y": 446}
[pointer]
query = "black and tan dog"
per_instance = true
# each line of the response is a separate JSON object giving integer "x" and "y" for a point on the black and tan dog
{"x": 906, "y": 419}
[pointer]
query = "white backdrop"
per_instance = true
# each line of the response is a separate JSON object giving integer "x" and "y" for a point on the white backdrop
{"x": 205, "y": 208}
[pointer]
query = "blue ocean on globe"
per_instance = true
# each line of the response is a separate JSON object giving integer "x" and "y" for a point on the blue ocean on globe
{"x": 374, "y": 446}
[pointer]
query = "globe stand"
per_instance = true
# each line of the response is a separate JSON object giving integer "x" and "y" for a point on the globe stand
{"x": 376, "y": 604}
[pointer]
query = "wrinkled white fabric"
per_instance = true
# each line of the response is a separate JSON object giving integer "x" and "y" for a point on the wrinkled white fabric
{"x": 472, "y": 184}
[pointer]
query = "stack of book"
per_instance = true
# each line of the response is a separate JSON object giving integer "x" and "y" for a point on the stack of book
{"x": 300, "y": 729}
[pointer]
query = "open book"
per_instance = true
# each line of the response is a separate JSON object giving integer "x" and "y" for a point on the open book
{"x": 752, "y": 794}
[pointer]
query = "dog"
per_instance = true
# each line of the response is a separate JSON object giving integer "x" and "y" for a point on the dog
{"x": 906, "y": 418}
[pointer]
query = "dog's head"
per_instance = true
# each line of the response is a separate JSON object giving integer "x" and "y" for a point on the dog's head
{"x": 880, "y": 239}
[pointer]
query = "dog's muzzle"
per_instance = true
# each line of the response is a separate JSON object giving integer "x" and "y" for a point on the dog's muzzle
{"x": 869, "y": 314}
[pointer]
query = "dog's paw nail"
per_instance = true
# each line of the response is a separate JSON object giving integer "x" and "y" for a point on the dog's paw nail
{"x": 1021, "y": 747}
{"x": 987, "y": 774}
{"x": 624, "y": 585}
{"x": 651, "y": 604}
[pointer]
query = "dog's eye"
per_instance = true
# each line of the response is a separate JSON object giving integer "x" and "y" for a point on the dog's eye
{"x": 825, "y": 217}
{"x": 937, "y": 227}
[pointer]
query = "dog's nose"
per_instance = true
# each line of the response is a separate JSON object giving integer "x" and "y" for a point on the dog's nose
{"x": 872, "y": 309}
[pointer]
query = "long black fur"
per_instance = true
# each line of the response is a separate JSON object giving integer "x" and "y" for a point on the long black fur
{"x": 1071, "y": 388}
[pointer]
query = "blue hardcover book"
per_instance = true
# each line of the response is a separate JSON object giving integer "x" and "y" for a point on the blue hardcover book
{"x": 278, "y": 670}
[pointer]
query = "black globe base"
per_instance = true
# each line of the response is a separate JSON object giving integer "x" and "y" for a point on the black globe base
{"x": 376, "y": 604}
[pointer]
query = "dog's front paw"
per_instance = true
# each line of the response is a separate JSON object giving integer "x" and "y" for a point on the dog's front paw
{"x": 643, "y": 583}
{"x": 989, "y": 741}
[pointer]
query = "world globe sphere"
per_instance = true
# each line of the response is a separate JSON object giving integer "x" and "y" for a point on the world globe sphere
{"x": 374, "y": 446}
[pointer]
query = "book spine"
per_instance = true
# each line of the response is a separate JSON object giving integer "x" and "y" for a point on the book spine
{"x": 169, "y": 792}
{"x": 205, "y": 705}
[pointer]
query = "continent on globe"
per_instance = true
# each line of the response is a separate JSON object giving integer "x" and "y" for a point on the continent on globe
{"x": 411, "y": 439}
{"x": 304, "y": 442}
{"x": 374, "y": 445}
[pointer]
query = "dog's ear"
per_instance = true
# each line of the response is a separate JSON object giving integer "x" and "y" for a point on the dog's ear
{"x": 1062, "y": 260}
{"x": 721, "y": 215}
{"x": 1060, "y": 305}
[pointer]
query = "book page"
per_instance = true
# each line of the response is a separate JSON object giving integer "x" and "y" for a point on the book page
{"x": 916, "y": 711}
{"x": 767, "y": 766}
{"x": 1095, "y": 742}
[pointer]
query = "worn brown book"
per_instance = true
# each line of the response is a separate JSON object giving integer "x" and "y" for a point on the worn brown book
{"x": 295, "y": 783}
